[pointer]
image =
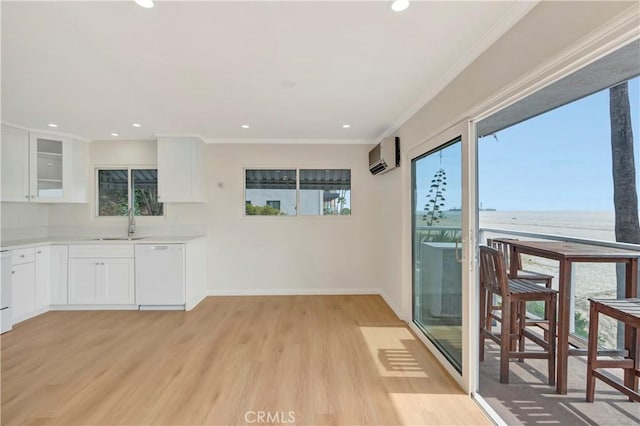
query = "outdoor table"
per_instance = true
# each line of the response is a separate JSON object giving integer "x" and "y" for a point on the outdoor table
{"x": 567, "y": 253}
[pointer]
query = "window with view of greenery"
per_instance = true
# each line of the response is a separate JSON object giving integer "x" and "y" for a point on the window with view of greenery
{"x": 114, "y": 187}
{"x": 325, "y": 192}
{"x": 270, "y": 192}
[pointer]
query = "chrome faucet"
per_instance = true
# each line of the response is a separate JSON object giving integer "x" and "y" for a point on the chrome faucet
{"x": 132, "y": 223}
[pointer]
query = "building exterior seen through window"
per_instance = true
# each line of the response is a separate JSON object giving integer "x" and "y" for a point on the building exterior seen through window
{"x": 291, "y": 192}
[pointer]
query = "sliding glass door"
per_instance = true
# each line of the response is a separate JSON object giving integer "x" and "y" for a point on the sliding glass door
{"x": 444, "y": 220}
{"x": 437, "y": 292}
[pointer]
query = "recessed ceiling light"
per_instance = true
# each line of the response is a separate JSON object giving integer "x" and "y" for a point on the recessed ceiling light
{"x": 245, "y": 126}
{"x": 136, "y": 125}
{"x": 346, "y": 126}
{"x": 147, "y": 4}
{"x": 399, "y": 5}
{"x": 52, "y": 125}
{"x": 115, "y": 134}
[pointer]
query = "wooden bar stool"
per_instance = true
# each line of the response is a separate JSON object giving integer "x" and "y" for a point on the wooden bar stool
{"x": 515, "y": 293}
{"x": 524, "y": 274}
{"x": 627, "y": 311}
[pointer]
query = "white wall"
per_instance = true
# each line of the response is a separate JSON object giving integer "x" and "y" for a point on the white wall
{"x": 549, "y": 29}
{"x": 23, "y": 220}
{"x": 279, "y": 254}
{"x": 250, "y": 254}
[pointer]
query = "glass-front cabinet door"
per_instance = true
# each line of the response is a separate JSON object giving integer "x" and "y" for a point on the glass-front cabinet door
{"x": 49, "y": 155}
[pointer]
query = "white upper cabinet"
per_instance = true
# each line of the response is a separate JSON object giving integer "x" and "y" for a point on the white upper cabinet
{"x": 77, "y": 188}
{"x": 15, "y": 164}
{"x": 181, "y": 174}
{"x": 41, "y": 167}
{"x": 49, "y": 171}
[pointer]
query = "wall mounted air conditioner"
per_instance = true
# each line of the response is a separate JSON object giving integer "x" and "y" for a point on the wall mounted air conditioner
{"x": 385, "y": 156}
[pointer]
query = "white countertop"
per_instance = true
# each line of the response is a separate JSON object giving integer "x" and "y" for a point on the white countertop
{"x": 34, "y": 242}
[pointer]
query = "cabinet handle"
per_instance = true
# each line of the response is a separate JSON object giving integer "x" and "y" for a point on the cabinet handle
{"x": 97, "y": 263}
{"x": 22, "y": 255}
{"x": 39, "y": 252}
{"x": 13, "y": 272}
{"x": 33, "y": 196}
{"x": 26, "y": 196}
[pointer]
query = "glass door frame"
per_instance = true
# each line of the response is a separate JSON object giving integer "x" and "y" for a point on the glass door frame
{"x": 465, "y": 131}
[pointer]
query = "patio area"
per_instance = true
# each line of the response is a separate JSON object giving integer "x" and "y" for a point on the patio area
{"x": 528, "y": 399}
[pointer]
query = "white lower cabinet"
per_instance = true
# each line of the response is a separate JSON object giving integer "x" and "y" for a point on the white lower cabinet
{"x": 103, "y": 276}
{"x": 83, "y": 281}
{"x": 119, "y": 276}
{"x": 101, "y": 281}
{"x": 43, "y": 277}
{"x": 59, "y": 269}
{"x": 23, "y": 290}
{"x": 30, "y": 282}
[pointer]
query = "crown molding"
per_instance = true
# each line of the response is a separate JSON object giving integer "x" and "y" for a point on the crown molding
{"x": 294, "y": 141}
{"x": 179, "y": 136}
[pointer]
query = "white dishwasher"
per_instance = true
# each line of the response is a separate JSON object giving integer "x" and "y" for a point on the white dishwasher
{"x": 160, "y": 276}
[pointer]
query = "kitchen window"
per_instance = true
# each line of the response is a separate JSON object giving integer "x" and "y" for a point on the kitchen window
{"x": 118, "y": 188}
{"x": 291, "y": 192}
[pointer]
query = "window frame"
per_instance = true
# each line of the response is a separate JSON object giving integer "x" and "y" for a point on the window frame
{"x": 129, "y": 168}
{"x": 297, "y": 216}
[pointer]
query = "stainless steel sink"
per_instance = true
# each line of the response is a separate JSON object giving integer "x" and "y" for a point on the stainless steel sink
{"x": 119, "y": 238}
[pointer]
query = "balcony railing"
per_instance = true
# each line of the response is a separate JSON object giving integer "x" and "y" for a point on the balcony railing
{"x": 588, "y": 280}
{"x": 591, "y": 281}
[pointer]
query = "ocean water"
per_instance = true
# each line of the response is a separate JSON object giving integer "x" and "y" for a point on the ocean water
{"x": 590, "y": 279}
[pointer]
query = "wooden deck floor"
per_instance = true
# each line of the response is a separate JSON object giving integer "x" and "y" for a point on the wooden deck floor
{"x": 313, "y": 359}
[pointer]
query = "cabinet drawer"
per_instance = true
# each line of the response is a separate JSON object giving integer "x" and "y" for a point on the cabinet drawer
{"x": 21, "y": 256}
{"x": 101, "y": 251}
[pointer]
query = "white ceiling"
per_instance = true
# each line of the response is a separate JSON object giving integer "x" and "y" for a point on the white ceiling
{"x": 291, "y": 70}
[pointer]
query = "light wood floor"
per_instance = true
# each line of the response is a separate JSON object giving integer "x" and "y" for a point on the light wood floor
{"x": 342, "y": 360}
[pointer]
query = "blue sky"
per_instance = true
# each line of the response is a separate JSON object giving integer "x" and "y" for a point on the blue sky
{"x": 450, "y": 161}
{"x": 560, "y": 160}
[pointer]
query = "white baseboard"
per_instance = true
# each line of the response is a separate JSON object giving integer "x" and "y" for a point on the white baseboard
{"x": 162, "y": 307}
{"x": 292, "y": 292}
{"x": 93, "y": 307}
{"x": 18, "y": 319}
{"x": 194, "y": 302}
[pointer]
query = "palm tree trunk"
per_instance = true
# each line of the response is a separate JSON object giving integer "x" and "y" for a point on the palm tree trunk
{"x": 625, "y": 196}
